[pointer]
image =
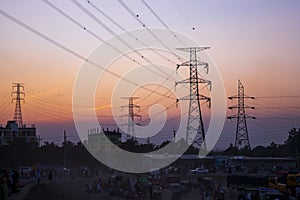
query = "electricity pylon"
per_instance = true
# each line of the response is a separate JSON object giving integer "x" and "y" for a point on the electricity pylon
{"x": 18, "y": 98}
{"x": 241, "y": 136}
{"x": 195, "y": 128}
{"x": 131, "y": 115}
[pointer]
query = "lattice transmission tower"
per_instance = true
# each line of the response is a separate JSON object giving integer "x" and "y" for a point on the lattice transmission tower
{"x": 241, "y": 136}
{"x": 195, "y": 128}
{"x": 131, "y": 116}
{"x": 18, "y": 95}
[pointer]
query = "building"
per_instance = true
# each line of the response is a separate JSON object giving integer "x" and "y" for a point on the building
{"x": 97, "y": 140}
{"x": 12, "y": 130}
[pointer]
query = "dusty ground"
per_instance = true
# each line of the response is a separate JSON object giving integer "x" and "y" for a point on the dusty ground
{"x": 61, "y": 190}
{"x": 74, "y": 189}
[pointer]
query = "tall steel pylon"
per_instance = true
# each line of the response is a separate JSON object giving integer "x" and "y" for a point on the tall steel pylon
{"x": 195, "y": 128}
{"x": 17, "y": 98}
{"x": 241, "y": 136}
{"x": 131, "y": 115}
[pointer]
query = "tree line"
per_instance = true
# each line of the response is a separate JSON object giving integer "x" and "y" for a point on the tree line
{"x": 22, "y": 153}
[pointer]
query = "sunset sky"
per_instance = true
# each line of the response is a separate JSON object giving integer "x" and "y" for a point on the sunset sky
{"x": 256, "y": 41}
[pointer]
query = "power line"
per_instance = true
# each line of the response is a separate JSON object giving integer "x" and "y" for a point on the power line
{"x": 109, "y": 30}
{"x": 46, "y": 106}
{"x": 153, "y": 34}
{"x": 124, "y": 42}
{"x": 279, "y": 118}
{"x": 274, "y": 107}
{"x": 42, "y": 103}
{"x": 193, "y": 28}
{"x": 278, "y": 97}
{"x": 86, "y": 11}
{"x": 33, "y": 95}
{"x": 162, "y": 22}
{"x": 274, "y": 103}
{"x": 119, "y": 26}
{"x": 182, "y": 13}
{"x": 123, "y": 29}
{"x": 6, "y": 106}
{"x": 287, "y": 107}
{"x": 40, "y": 113}
{"x": 15, "y": 20}
{"x": 169, "y": 107}
{"x": 95, "y": 35}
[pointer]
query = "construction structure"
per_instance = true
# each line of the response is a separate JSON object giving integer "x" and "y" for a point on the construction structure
{"x": 131, "y": 116}
{"x": 18, "y": 95}
{"x": 96, "y": 140}
{"x": 241, "y": 136}
{"x": 195, "y": 128}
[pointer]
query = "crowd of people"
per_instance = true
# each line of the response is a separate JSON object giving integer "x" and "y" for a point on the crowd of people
{"x": 127, "y": 186}
{"x": 147, "y": 187}
{"x": 9, "y": 183}
{"x": 119, "y": 186}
